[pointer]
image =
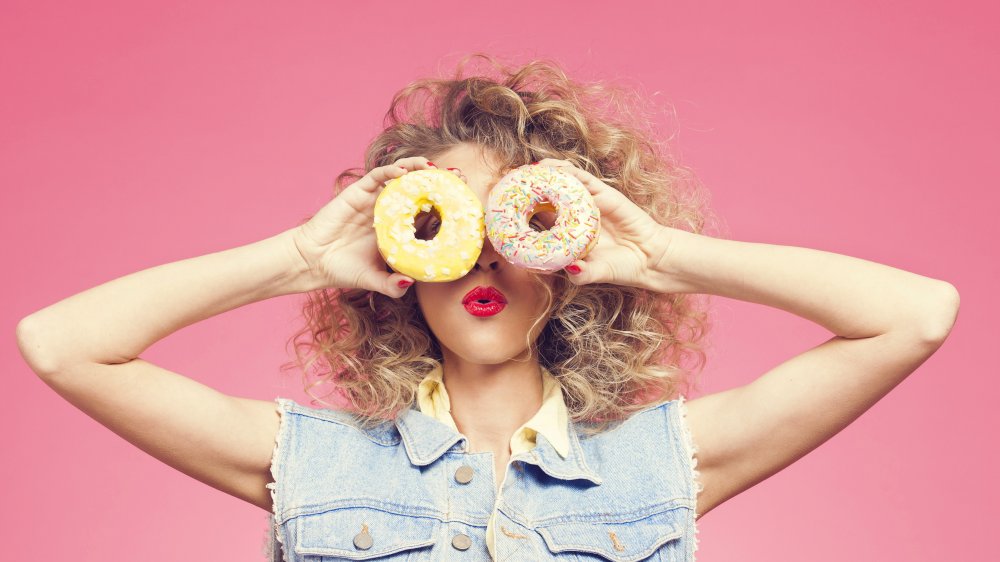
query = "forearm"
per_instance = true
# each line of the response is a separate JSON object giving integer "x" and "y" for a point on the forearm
{"x": 851, "y": 297}
{"x": 116, "y": 321}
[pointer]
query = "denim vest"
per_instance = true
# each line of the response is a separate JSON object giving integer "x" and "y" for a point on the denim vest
{"x": 409, "y": 490}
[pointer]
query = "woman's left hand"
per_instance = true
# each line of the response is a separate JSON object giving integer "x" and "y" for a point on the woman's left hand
{"x": 630, "y": 244}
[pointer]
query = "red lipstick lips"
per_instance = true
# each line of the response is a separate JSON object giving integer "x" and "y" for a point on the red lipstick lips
{"x": 484, "y": 301}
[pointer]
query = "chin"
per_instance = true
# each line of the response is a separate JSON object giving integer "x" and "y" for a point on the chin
{"x": 485, "y": 348}
{"x": 489, "y": 356}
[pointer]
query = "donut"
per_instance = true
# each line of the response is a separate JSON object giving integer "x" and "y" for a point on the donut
{"x": 454, "y": 249}
{"x": 531, "y": 189}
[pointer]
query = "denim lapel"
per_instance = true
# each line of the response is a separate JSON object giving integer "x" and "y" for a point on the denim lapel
{"x": 425, "y": 438}
{"x": 574, "y": 466}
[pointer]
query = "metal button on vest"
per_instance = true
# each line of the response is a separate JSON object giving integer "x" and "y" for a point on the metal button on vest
{"x": 464, "y": 474}
{"x": 461, "y": 542}
{"x": 362, "y": 540}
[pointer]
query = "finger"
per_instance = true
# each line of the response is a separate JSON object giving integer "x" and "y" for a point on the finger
{"x": 377, "y": 177}
{"x": 607, "y": 198}
{"x": 594, "y": 185}
{"x": 590, "y": 272}
{"x": 387, "y": 283}
{"x": 458, "y": 172}
{"x": 592, "y": 182}
{"x": 415, "y": 163}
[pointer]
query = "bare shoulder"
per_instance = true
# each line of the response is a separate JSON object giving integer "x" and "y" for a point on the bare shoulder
{"x": 264, "y": 416}
{"x": 701, "y": 412}
{"x": 749, "y": 433}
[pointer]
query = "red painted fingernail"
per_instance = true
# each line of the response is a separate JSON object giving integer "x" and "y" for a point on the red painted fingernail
{"x": 431, "y": 164}
{"x": 403, "y": 283}
{"x": 533, "y": 163}
{"x": 574, "y": 269}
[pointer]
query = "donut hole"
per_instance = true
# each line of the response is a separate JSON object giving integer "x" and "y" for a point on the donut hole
{"x": 542, "y": 216}
{"x": 427, "y": 224}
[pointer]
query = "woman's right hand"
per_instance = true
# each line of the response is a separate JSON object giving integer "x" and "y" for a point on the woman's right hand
{"x": 338, "y": 243}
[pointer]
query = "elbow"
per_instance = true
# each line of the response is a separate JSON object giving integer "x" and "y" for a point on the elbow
{"x": 30, "y": 344}
{"x": 941, "y": 311}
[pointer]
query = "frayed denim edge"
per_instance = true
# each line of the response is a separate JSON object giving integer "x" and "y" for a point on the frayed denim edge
{"x": 691, "y": 450}
{"x": 275, "y": 528}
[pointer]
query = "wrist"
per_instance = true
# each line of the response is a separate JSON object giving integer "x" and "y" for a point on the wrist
{"x": 299, "y": 278}
{"x": 674, "y": 255}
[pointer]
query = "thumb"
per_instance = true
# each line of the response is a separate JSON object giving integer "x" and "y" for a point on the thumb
{"x": 388, "y": 283}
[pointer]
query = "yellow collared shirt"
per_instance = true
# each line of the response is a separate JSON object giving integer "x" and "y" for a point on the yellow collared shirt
{"x": 551, "y": 420}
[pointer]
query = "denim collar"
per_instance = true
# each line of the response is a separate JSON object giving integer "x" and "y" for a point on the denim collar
{"x": 426, "y": 439}
{"x": 551, "y": 419}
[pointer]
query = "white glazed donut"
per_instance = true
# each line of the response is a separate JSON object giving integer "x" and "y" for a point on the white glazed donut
{"x": 535, "y": 188}
{"x": 458, "y": 243}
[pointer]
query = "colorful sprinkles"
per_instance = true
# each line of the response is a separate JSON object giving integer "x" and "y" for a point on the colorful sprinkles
{"x": 511, "y": 204}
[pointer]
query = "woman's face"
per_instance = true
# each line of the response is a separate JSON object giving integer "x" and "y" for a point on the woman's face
{"x": 487, "y": 340}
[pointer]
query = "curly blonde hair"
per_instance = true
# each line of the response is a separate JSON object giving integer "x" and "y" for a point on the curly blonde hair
{"x": 614, "y": 349}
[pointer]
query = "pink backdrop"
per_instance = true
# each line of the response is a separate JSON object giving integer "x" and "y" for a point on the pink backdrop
{"x": 135, "y": 134}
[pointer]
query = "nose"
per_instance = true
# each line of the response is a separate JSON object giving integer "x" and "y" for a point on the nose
{"x": 489, "y": 259}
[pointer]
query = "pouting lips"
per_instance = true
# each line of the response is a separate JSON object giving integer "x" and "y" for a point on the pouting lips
{"x": 484, "y": 295}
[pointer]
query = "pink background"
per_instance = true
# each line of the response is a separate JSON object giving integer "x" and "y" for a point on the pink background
{"x": 136, "y": 134}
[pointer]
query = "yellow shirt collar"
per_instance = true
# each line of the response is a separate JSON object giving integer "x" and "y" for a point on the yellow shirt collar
{"x": 551, "y": 419}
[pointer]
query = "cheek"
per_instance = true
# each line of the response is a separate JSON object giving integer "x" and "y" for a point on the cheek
{"x": 538, "y": 294}
{"x": 432, "y": 297}
{"x": 423, "y": 297}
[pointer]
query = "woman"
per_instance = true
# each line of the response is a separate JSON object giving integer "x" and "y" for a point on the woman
{"x": 553, "y": 428}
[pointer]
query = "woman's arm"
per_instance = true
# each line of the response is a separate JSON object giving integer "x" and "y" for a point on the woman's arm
{"x": 887, "y": 323}
{"x": 851, "y": 297}
{"x": 115, "y": 322}
{"x": 87, "y": 348}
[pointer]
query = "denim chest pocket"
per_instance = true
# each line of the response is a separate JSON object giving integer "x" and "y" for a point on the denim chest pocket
{"x": 361, "y": 533}
{"x": 653, "y": 538}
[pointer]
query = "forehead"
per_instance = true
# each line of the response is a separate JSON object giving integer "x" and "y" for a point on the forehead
{"x": 480, "y": 166}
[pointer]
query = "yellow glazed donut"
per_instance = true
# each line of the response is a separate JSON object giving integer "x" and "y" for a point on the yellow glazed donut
{"x": 459, "y": 241}
{"x": 536, "y": 188}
